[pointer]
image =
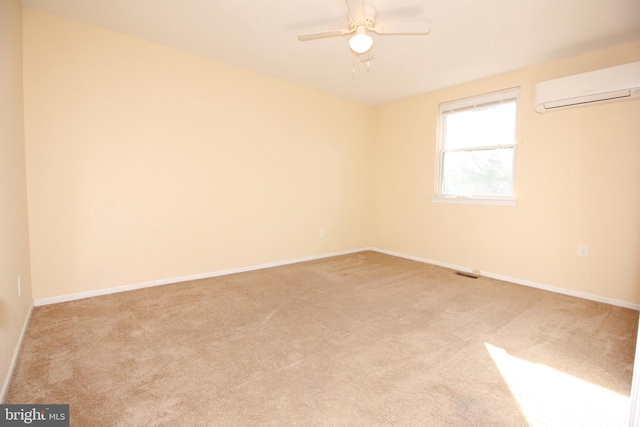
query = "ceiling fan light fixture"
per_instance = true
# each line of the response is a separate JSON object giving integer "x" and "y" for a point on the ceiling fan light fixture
{"x": 361, "y": 41}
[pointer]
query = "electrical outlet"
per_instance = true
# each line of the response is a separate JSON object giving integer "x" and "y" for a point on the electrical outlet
{"x": 583, "y": 250}
{"x": 321, "y": 234}
{"x": 19, "y": 286}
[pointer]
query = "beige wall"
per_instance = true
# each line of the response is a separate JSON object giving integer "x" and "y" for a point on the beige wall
{"x": 14, "y": 236}
{"x": 147, "y": 163}
{"x": 577, "y": 181}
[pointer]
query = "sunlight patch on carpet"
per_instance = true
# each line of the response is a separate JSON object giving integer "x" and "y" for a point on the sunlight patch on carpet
{"x": 550, "y": 397}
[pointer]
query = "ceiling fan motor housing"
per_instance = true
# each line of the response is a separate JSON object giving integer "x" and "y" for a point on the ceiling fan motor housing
{"x": 368, "y": 20}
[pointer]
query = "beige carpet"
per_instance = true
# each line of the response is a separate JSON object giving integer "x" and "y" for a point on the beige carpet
{"x": 354, "y": 340}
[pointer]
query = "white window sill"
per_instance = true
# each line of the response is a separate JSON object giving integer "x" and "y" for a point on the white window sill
{"x": 503, "y": 201}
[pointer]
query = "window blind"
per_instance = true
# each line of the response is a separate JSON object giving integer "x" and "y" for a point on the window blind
{"x": 480, "y": 101}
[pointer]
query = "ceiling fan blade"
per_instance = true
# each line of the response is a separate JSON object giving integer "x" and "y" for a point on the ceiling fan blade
{"x": 355, "y": 9}
{"x": 404, "y": 27}
{"x": 322, "y": 35}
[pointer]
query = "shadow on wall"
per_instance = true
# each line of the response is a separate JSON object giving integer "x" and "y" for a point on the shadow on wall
{"x": 4, "y": 321}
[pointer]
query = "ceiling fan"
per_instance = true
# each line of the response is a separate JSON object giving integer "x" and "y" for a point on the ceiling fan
{"x": 362, "y": 19}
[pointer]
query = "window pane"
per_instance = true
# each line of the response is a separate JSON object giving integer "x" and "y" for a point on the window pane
{"x": 478, "y": 173}
{"x": 489, "y": 126}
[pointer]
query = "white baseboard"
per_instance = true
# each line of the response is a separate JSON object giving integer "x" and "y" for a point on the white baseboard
{"x": 14, "y": 359}
{"x": 107, "y": 291}
{"x": 81, "y": 295}
{"x": 529, "y": 283}
{"x": 426, "y": 261}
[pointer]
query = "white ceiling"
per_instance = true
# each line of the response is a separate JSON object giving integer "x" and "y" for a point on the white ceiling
{"x": 469, "y": 39}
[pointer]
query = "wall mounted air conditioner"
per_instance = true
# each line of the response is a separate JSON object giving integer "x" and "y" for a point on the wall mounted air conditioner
{"x": 609, "y": 84}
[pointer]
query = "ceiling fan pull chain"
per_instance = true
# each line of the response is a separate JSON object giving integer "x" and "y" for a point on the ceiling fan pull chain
{"x": 353, "y": 67}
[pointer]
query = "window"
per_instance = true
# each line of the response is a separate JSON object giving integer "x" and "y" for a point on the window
{"x": 477, "y": 149}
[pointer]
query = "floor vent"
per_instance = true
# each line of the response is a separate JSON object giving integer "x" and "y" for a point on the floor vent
{"x": 465, "y": 274}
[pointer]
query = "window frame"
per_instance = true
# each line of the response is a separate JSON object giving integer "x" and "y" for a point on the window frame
{"x": 472, "y": 103}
